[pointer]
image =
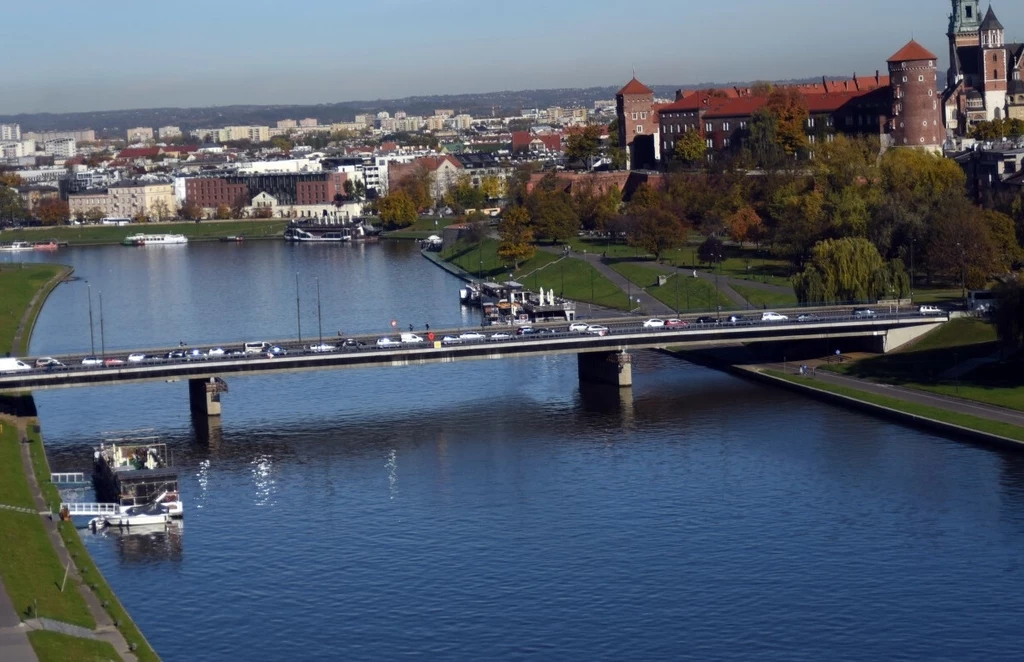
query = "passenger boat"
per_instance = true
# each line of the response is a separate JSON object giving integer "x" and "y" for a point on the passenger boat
{"x": 233, "y": 237}
{"x": 155, "y": 240}
{"x": 301, "y": 236}
{"x": 136, "y": 475}
{"x": 16, "y": 246}
{"x": 45, "y": 246}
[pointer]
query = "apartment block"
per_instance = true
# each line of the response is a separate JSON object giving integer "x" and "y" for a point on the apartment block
{"x": 10, "y": 132}
{"x": 287, "y": 124}
{"x": 165, "y": 132}
{"x": 81, "y": 136}
{"x": 308, "y": 122}
{"x": 140, "y": 134}
{"x": 60, "y": 148}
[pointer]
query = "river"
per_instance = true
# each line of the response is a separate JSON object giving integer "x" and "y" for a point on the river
{"x": 494, "y": 510}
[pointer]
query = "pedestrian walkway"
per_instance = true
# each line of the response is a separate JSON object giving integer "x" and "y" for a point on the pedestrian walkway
{"x": 14, "y": 643}
{"x": 641, "y": 299}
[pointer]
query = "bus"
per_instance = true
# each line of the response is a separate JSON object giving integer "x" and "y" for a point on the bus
{"x": 982, "y": 301}
{"x": 114, "y": 220}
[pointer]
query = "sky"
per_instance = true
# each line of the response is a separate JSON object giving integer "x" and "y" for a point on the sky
{"x": 68, "y": 55}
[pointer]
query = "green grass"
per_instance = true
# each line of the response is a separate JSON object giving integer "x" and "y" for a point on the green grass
{"x": 31, "y": 571}
{"x": 90, "y": 573}
{"x": 18, "y": 284}
{"x": 422, "y": 228}
{"x": 688, "y": 293}
{"x": 608, "y": 248}
{"x": 572, "y": 278}
{"x": 57, "y": 647}
{"x": 948, "y": 298}
{"x": 110, "y": 234}
{"x": 935, "y": 413}
{"x": 764, "y": 298}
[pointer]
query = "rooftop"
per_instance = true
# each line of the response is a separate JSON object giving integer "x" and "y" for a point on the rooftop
{"x": 635, "y": 87}
{"x": 911, "y": 52}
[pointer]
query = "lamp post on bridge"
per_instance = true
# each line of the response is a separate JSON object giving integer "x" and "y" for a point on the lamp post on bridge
{"x": 319, "y": 320}
{"x": 92, "y": 340}
{"x": 103, "y": 342}
{"x": 298, "y": 309}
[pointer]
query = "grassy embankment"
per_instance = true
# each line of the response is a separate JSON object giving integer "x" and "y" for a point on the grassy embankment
{"x": 19, "y": 283}
{"x": 79, "y": 235}
{"x": 927, "y": 365}
{"x": 935, "y": 413}
{"x": 421, "y": 229}
{"x": 571, "y": 277}
{"x": 680, "y": 292}
{"x": 56, "y": 647}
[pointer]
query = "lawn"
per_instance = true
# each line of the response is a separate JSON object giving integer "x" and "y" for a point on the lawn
{"x": 765, "y": 298}
{"x": 19, "y": 282}
{"x": 31, "y": 571}
{"x": 571, "y": 277}
{"x": 422, "y": 228}
{"x": 947, "y": 298}
{"x": 946, "y": 416}
{"x": 680, "y": 292}
{"x": 112, "y": 234}
{"x": 56, "y": 647}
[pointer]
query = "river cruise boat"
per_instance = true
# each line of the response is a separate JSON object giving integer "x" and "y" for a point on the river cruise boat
{"x": 302, "y": 236}
{"x": 16, "y": 246}
{"x": 136, "y": 475}
{"x": 155, "y": 240}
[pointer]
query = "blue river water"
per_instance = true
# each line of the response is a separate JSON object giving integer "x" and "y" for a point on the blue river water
{"x": 496, "y": 510}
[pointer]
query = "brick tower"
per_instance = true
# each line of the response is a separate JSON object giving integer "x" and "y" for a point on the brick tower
{"x": 634, "y": 104}
{"x": 916, "y": 113}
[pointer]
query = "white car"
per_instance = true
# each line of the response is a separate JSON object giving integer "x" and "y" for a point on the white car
{"x": 578, "y": 327}
{"x": 324, "y": 347}
{"x": 654, "y": 323}
{"x": 387, "y": 342}
{"x": 597, "y": 330}
{"x": 451, "y": 340}
{"x": 471, "y": 336}
{"x": 216, "y": 351}
{"x": 92, "y": 360}
{"x": 930, "y": 310}
{"x": 136, "y": 358}
{"x": 501, "y": 335}
{"x": 773, "y": 317}
{"x": 48, "y": 362}
{"x": 411, "y": 338}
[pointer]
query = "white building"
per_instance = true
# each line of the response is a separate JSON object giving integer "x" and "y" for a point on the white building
{"x": 284, "y": 165}
{"x": 462, "y": 122}
{"x": 16, "y": 149}
{"x": 61, "y": 148}
{"x": 165, "y": 132}
{"x": 10, "y": 132}
{"x": 140, "y": 134}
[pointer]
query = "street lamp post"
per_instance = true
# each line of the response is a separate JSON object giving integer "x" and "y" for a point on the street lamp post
{"x": 319, "y": 320}
{"x": 103, "y": 342}
{"x": 298, "y": 309}
{"x": 912, "y": 242}
{"x": 92, "y": 340}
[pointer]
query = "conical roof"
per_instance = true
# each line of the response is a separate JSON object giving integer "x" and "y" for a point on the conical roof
{"x": 991, "y": 22}
{"x": 635, "y": 87}
{"x": 911, "y": 52}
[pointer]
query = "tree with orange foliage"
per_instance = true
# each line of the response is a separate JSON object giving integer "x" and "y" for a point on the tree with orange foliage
{"x": 744, "y": 225}
{"x": 11, "y": 179}
{"x": 53, "y": 212}
{"x": 789, "y": 108}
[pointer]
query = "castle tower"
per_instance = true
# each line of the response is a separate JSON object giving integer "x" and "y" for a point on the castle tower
{"x": 634, "y": 105}
{"x": 964, "y": 25}
{"x": 993, "y": 66}
{"x": 917, "y": 117}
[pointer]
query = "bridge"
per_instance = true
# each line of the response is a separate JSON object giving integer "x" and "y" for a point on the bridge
{"x": 602, "y": 355}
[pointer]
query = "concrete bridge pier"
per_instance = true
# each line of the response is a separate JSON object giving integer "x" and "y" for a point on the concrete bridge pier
{"x": 204, "y": 395}
{"x": 613, "y": 368}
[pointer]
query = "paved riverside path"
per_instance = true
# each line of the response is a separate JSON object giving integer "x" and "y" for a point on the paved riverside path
{"x": 14, "y": 643}
{"x": 958, "y": 405}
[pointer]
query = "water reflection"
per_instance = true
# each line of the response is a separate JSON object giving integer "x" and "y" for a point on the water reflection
{"x": 147, "y": 545}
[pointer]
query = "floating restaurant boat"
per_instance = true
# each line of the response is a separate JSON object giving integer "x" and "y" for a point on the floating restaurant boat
{"x": 302, "y": 236}
{"x": 45, "y": 246}
{"x": 136, "y": 476}
{"x": 155, "y": 240}
{"x": 16, "y": 246}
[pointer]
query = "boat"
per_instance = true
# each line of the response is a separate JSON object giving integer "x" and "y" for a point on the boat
{"x": 45, "y": 246}
{"x": 129, "y": 516}
{"x": 233, "y": 238}
{"x": 303, "y": 236}
{"x": 141, "y": 239}
{"x": 136, "y": 475}
{"x": 16, "y": 246}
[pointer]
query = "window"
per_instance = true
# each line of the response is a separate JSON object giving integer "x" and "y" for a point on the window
{"x": 743, "y": 125}
{"x": 995, "y": 73}
{"x": 931, "y": 92}
{"x": 725, "y": 126}
{"x": 920, "y": 79}
{"x": 639, "y": 128}
{"x": 725, "y": 143}
{"x": 810, "y": 122}
{"x": 709, "y": 127}
{"x": 810, "y": 138}
{"x": 710, "y": 143}
{"x": 643, "y": 115}
{"x": 635, "y": 115}
{"x": 995, "y": 58}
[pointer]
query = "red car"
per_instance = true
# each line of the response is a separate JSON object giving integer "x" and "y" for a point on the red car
{"x": 109, "y": 362}
{"x": 677, "y": 323}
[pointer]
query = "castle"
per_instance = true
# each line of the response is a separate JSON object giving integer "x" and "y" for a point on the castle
{"x": 984, "y": 78}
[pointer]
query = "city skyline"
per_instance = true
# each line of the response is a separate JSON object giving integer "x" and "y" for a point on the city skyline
{"x": 399, "y": 48}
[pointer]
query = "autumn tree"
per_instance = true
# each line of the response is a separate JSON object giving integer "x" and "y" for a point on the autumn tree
{"x": 418, "y": 186}
{"x": 1008, "y": 313}
{"x": 93, "y": 214}
{"x": 789, "y": 108}
{"x": 397, "y": 209}
{"x": 11, "y": 179}
{"x": 223, "y": 212}
{"x": 463, "y": 195}
{"x": 552, "y": 211}
{"x": 584, "y": 146}
{"x": 763, "y": 140}
{"x": 161, "y": 211}
{"x": 492, "y": 187}
{"x": 844, "y": 270}
{"x": 595, "y": 209}
{"x": 960, "y": 247}
{"x": 191, "y": 211}
{"x": 744, "y": 225}
{"x": 53, "y": 212}
{"x": 263, "y": 213}
{"x": 11, "y": 206}
{"x": 711, "y": 251}
{"x": 656, "y": 230}
{"x": 515, "y": 237}
{"x": 690, "y": 149}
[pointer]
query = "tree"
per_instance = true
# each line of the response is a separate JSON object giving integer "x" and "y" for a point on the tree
{"x": 53, "y": 212}
{"x": 11, "y": 206}
{"x": 690, "y": 149}
{"x": 282, "y": 143}
{"x": 1008, "y": 313}
{"x": 397, "y": 209}
{"x": 584, "y": 146}
{"x": 656, "y": 230}
{"x": 238, "y": 206}
{"x": 463, "y": 195}
{"x": 763, "y": 140}
{"x": 1004, "y": 240}
{"x": 161, "y": 211}
{"x": 516, "y": 238}
{"x": 845, "y": 270}
{"x": 552, "y": 211}
{"x": 593, "y": 209}
{"x": 960, "y": 247}
{"x": 349, "y": 188}
{"x": 789, "y": 108}
{"x": 492, "y": 187}
{"x": 192, "y": 211}
{"x": 223, "y": 212}
{"x": 93, "y": 214}
{"x": 263, "y": 212}
{"x": 12, "y": 179}
{"x": 140, "y": 217}
{"x": 418, "y": 185}
{"x": 712, "y": 251}
{"x": 744, "y": 225}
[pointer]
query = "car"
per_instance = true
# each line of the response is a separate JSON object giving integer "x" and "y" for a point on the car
{"x": 930, "y": 310}
{"x": 235, "y": 352}
{"x": 322, "y": 347}
{"x": 177, "y": 354}
{"x": 654, "y": 323}
{"x": 216, "y": 351}
{"x": 706, "y": 320}
{"x": 352, "y": 343}
{"x": 737, "y": 320}
{"x": 451, "y": 340}
{"x": 471, "y": 336}
{"x": 525, "y": 331}
{"x": 501, "y": 335}
{"x": 770, "y": 316}
{"x": 863, "y": 313}
{"x": 113, "y": 362}
{"x": 411, "y": 338}
{"x": 544, "y": 332}
{"x": 807, "y": 317}
{"x": 597, "y": 330}
{"x": 9, "y": 365}
{"x": 578, "y": 327}
{"x": 48, "y": 362}
{"x": 676, "y": 323}
{"x": 138, "y": 357}
{"x": 387, "y": 342}
{"x": 256, "y": 347}
{"x": 276, "y": 350}
{"x": 195, "y": 354}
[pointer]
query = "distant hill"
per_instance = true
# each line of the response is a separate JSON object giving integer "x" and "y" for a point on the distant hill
{"x": 113, "y": 123}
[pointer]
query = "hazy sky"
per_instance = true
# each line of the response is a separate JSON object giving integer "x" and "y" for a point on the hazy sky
{"x": 68, "y": 55}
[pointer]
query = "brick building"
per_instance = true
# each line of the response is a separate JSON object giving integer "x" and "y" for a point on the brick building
{"x": 916, "y": 116}
{"x": 638, "y": 124}
{"x": 286, "y": 188}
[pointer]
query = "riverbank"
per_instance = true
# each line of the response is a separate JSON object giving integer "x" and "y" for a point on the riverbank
{"x": 100, "y": 235}
{"x": 53, "y": 586}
